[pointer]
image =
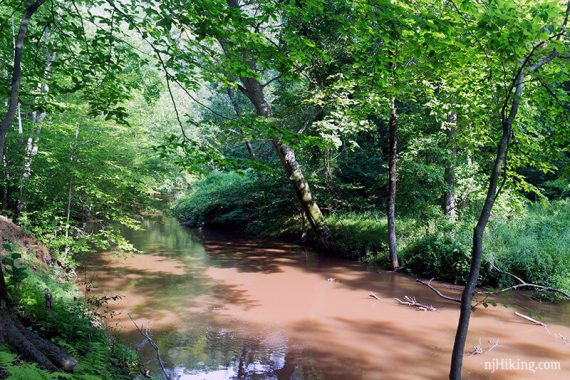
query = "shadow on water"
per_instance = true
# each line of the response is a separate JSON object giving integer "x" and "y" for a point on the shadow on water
{"x": 221, "y": 306}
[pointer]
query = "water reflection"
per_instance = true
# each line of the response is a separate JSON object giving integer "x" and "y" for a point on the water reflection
{"x": 224, "y": 307}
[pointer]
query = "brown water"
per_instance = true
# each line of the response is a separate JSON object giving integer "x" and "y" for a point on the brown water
{"x": 224, "y": 307}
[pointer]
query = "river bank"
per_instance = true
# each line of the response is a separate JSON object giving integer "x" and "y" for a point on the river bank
{"x": 69, "y": 320}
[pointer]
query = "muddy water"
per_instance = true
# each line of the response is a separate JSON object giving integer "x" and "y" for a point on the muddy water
{"x": 224, "y": 307}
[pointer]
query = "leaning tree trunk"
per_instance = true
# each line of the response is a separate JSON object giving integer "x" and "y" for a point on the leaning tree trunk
{"x": 476, "y": 256}
{"x": 449, "y": 175}
{"x": 26, "y": 343}
{"x": 254, "y": 91}
{"x": 392, "y": 185}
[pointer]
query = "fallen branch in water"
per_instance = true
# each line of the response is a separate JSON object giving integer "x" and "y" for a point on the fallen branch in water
{"x": 563, "y": 338}
{"x": 530, "y": 319}
{"x": 147, "y": 336}
{"x": 523, "y": 284}
{"x": 478, "y": 349}
{"x": 533, "y": 321}
{"x": 373, "y": 295}
{"x": 411, "y": 301}
{"x": 428, "y": 284}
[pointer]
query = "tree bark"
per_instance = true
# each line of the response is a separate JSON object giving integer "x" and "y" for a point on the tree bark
{"x": 449, "y": 175}
{"x": 31, "y": 8}
{"x": 392, "y": 185}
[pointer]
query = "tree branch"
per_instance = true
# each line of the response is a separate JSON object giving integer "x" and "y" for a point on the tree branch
{"x": 153, "y": 344}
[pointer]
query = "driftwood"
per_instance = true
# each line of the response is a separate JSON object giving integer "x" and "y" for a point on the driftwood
{"x": 147, "y": 336}
{"x": 530, "y": 319}
{"x": 428, "y": 284}
{"x": 539, "y": 323}
{"x": 411, "y": 301}
{"x": 373, "y": 295}
{"x": 478, "y": 349}
{"x": 522, "y": 284}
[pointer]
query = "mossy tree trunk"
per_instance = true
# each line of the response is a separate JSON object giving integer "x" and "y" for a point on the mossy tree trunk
{"x": 254, "y": 91}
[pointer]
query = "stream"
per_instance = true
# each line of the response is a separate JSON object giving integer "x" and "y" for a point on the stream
{"x": 221, "y": 306}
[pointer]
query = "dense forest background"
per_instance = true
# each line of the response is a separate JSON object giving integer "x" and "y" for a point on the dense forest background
{"x": 383, "y": 131}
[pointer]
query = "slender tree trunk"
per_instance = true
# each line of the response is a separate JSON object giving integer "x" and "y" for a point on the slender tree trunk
{"x": 392, "y": 185}
{"x": 73, "y": 158}
{"x": 449, "y": 175}
{"x": 20, "y": 126}
{"x": 32, "y": 144}
{"x": 477, "y": 249}
{"x": 31, "y": 8}
{"x": 237, "y": 109}
{"x": 6, "y": 183}
{"x": 13, "y": 102}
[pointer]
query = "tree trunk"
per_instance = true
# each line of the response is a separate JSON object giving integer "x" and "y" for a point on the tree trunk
{"x": 32, "y": 144}
{"x": 237, "y": 109}
{"x": 392, "y": 185}
{"x": 477, "y": 249}
{"x": 449, "y": 175}
{"x": 72, "y": 158}
{"x": 31, "y": 8}
{"x": 253, "y": 89}
{"x": 20, "y": 126}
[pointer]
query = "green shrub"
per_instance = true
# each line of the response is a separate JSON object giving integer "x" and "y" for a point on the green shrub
{"x": 364, "y": 235}
{"x": 261, "y": 205}
{"x": 359, "y": 235}
{"x": 218, "y": 199}
{"x": 440, "y": 256}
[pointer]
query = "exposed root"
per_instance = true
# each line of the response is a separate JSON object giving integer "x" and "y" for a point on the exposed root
{"x": 411, "y": 301}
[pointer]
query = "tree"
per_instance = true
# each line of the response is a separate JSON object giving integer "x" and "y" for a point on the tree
{"x": 25, "y": 342}
{"x": 509, "y": 110}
